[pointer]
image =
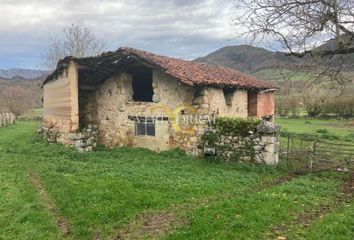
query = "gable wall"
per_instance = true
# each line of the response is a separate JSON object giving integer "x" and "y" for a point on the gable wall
{"x": 60, "y": 101}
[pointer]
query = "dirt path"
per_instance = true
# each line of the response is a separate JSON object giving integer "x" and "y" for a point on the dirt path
{"x": 151, "y": 226}
{"x": 61, "y": 221}
{"x": 304, "y": 219}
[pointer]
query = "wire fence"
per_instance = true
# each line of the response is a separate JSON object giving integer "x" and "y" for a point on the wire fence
{"x": 310, "y": 153}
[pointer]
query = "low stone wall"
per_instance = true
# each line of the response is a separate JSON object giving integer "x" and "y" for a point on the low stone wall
{"x": 261, "y": 146}
{"x": 7, "y": 119}
{"x": 84, "y": 140}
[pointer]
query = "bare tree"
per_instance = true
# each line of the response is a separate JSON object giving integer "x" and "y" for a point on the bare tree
{"x": 299, "y": 25}
{"x": 16, "y": 99}
{"x": 78, "y": 40}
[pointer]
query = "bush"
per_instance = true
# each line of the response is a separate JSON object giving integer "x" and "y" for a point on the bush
{"x": 341, "y": 106}
{"x": 286, "y": 106}
{"x": 230, "y": 126}
{"x": 314, "y": 99}
{"x": 323, "y": 101}
{"x": 236, "y": 126}
{"x": 313, "y": 107}
{"x": 322, "y": 131}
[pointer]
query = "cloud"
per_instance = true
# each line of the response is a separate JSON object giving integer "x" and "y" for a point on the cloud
{"x": 179, "y": 28}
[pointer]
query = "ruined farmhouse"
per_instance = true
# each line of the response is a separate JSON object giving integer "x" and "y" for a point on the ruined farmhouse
{"x": 111, "y": 100}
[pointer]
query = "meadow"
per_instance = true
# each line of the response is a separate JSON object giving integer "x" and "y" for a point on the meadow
{"x": 326, "y": 128}
{"x": 48, "y": 191}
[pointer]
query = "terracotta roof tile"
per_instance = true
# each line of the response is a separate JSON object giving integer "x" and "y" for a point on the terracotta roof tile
{"x": 188, "y": 72}
{"x": 193, "y": 73}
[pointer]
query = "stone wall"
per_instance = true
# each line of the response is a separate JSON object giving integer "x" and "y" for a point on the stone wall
{"x": 84, "y": 140}
{"x": 60, "y": 101}
{"x": 111, "y": 105}
{"x": 114, "y": 108}
{"x": 261, "y": 146}
{"x": 215, "y": 101}
{"x": 7, "y": 119}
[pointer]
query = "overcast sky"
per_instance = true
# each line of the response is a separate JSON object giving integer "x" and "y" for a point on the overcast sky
{"x": 179, "y": 28}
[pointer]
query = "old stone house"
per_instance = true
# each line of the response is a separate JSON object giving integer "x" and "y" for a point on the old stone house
{"x": 111, "y": 100}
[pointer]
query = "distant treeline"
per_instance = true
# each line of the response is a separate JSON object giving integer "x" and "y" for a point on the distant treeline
{"x": 19, "y": 97}
{"x": 314, "y": 106}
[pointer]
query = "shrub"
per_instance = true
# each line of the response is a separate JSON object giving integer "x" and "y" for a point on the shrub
{"x": 210, "y": 138}
{"x": 322, "y": 130}
{"x": 236, "y": 126}
{"x": 287, "y": 106}
{"x": 341, "y": 106}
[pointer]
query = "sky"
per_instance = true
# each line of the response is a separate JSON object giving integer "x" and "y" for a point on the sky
{"x": 178, "y": 28}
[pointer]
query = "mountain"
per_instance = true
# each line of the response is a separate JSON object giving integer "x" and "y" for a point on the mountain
{"x": 22, "y": 73}
{"x": 247, "y": 58}
{"x": 346, "y": 60}
{"x": 251, "y": 59}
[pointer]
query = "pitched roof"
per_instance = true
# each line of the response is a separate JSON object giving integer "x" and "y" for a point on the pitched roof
{"x": 188, "y": 72}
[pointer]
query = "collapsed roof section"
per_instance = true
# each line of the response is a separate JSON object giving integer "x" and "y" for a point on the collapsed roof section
{"x": 94, "y": 70}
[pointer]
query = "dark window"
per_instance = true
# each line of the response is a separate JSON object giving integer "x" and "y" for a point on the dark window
{"x": 142, "y": 84}
{"x": 228, "y": 94}
{"x": 252, "y": 103}
{"x": 144, "y": 127}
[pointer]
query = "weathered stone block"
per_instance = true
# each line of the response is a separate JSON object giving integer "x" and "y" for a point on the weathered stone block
{"x": 257, "y": 148}
{"x": 268, "y": 127}
{"x": 156, "y": 98}
{"x": 122, "y": 108}
{"x": 258, "y": 158}
{"x": 90, "y": 141}
{"x": 79, "y": 144}
{"x": 269, "y": 139}
{"x": 269, "y": 158}
{"x": 270, "y": 148}
{"x": 246, "y": 158}
{"x": 88, "y": 149}
{"x": 256, "y": 140}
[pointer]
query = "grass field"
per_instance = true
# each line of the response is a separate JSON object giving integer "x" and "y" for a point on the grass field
{"x": 50, "y": 192}
{"x": 327, "y": 128}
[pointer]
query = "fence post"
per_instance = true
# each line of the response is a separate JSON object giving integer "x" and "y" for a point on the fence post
{"x": 287, "y": 151}
{"x": 313, "y": 154}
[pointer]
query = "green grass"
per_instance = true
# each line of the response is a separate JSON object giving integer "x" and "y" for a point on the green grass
{"x": 337, "y": 129}
{"x": 103, "y": 191}
{"x": 336, "y": 225}
{"x": 33, "y": 114}
{"x": 250, "y": 216}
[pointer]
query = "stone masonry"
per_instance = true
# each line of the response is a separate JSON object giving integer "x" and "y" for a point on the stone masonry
{"x": 261, "y": 146}
{"x": 103, "y": 100}
{"x": 84, "y": 140}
